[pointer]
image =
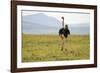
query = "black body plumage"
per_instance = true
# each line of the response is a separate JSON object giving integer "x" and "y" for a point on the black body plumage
{"x": 64, "y": 31}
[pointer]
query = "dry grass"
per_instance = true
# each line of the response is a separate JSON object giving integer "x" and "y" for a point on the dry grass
{"x": 47, "y": 48}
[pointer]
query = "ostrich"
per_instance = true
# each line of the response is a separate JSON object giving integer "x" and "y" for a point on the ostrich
{"x": 63, "y": 33}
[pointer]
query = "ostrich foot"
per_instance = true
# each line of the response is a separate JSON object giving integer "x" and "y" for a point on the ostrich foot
{"x": 62, "y": 49}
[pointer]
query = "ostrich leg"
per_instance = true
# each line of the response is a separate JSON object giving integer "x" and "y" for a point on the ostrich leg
{"x": 62, "y": 45}
{"x": 62, "y": 42}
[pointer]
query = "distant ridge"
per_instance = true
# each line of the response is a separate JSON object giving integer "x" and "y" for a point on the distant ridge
{"x": 41, "y": 23}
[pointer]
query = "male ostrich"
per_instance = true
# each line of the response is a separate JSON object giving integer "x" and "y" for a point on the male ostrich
{"x": 63, "y": 33}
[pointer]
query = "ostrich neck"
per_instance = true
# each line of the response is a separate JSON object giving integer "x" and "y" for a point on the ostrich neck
{"x": 63, "y": 23}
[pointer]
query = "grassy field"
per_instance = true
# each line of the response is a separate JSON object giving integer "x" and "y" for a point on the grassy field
{"x": 48, "y": 48}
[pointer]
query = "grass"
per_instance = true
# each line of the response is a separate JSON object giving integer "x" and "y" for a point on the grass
{"x": 48, "y": 48}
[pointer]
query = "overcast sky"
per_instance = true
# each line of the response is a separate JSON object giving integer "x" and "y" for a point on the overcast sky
{"x": 77, "y": 19}
{"x": 70, "y": 17}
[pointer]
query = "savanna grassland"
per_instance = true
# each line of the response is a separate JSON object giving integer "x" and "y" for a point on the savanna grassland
{"x": 48, "y": 48}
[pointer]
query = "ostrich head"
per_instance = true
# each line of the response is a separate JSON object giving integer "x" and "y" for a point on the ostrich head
{"x": 62, "y": 17}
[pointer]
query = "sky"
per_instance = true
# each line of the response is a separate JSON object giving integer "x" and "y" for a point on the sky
{"x": 78, "y": 20}
{"x": 71, "y": 18}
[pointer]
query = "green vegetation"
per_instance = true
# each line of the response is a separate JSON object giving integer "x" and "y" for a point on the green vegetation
{"x": 48, "y": 48}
